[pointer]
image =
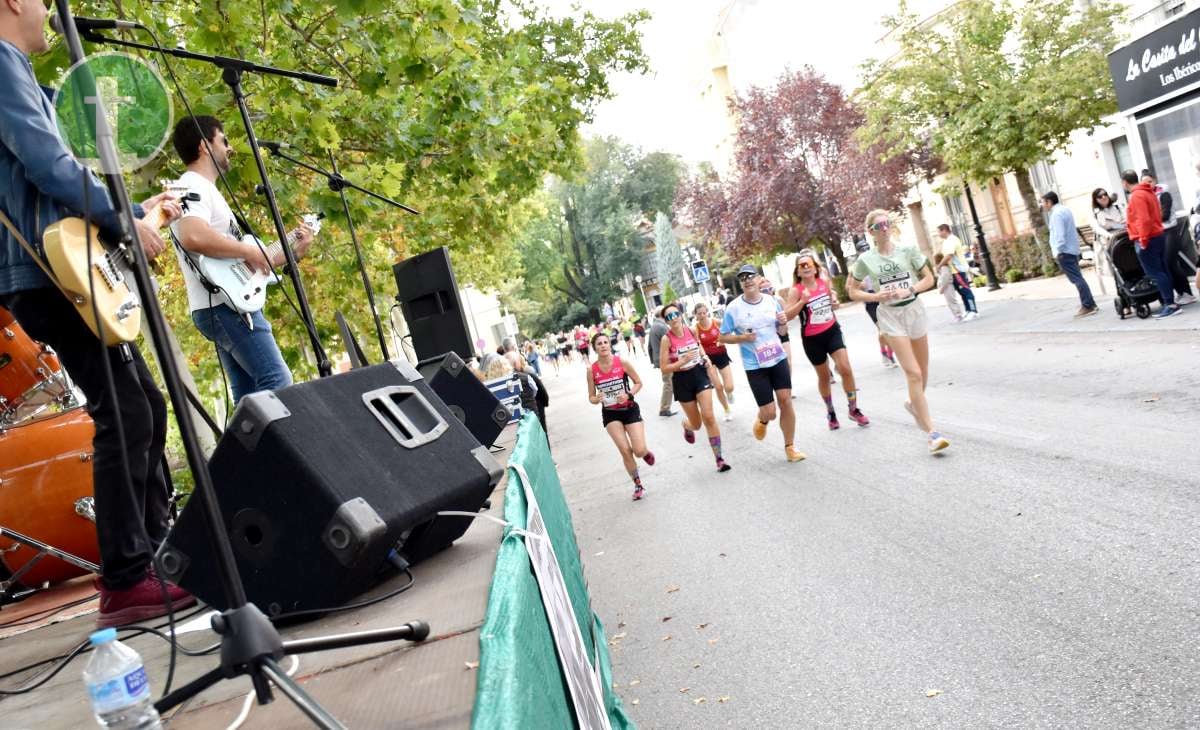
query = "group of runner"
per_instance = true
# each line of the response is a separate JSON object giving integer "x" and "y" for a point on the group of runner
{"x": 885, "y": 276}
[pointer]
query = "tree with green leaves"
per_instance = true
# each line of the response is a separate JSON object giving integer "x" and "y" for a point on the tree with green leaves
{"x": 669, "y": 256}
{"x": 457, "y": 107}
{"x": 991, "y": 86}
{"x": 652, "y": 182}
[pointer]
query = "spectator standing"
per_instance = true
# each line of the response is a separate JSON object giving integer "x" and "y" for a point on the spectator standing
{"x": 1144, "y": 221}
{"x": 956, "y": 257}
{"x": 658, "y": 328}
{"x": 945, "y": 285}
{"x": 1179, "y": 281}
{"x": 1064, "y": 243}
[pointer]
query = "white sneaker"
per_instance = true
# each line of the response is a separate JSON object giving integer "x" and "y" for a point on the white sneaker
{"x": 729, "y": 397}
{"x": 1183, "y": 299}
{"x": 887, "y": 361}
{"x": 971, "y": 316}
{"x": 728, "y": 415}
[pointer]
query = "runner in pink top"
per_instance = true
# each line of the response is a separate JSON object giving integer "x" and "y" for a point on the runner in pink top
{"x": 612, "y": 384}
{"x": 822, "y": 335}
{"x": 683, "y": 357}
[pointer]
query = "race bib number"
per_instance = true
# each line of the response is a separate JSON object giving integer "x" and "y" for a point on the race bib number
{"x": 901, "y": 282}
{"x": 611, "y": 391}
{"x": 821, "y": 310}
{"x": 769, "y": 353}
{"x": 685, "y": 354}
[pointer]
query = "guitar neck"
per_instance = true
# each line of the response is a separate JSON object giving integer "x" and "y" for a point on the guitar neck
{"x": 276, "y": 248}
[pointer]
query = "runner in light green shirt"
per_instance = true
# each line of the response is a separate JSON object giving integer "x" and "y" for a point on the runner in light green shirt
{"x": 899, "y": 270}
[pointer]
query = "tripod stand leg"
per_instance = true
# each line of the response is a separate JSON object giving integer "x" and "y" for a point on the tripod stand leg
{"x": 320, "y": 717}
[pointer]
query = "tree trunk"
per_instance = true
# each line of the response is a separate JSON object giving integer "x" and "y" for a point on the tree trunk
{"x": 1031, "y": 198}
{"x": 836, "y": 250}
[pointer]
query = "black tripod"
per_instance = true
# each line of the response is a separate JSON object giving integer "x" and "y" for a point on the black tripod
{"x": 338, "y": 184}
{"x": 250, "y": 644}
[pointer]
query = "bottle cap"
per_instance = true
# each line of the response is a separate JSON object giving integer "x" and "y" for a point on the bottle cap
{"x": 103, "y": 636}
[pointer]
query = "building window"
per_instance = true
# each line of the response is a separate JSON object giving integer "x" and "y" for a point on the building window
{"x": 958, "y": 220}
{"x": 1043, "y": 177}
{"x": 1122, "y": 154}
{"x": 1173, "y": 8}
{"x": 1172, "y": 146}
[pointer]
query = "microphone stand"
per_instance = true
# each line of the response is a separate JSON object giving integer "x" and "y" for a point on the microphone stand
{"x": 250, "y": 644}
{"x": 338, "y": 184}
{"x": 231, "y": 73}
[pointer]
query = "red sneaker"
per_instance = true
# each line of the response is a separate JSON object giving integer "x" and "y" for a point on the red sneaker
{"x": 649, "y": 458}
{"x": 638, "y": 492}
{"x": 140, "y": 602}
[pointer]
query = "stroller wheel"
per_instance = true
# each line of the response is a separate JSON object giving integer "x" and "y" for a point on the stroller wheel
{"x": 1117, "y": 305}
{"x": 1143, "y": 311}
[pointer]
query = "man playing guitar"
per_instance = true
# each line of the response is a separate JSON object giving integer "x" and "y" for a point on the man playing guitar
{"x": 40, "y": 184}
{"x": 247, "y": 348}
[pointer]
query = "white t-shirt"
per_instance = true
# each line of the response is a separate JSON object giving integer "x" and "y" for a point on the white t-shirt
{"x": 213, "y": 210}
{"x": 742, "y": 317}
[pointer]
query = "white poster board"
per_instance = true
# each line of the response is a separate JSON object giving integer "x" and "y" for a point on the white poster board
{"x": 582, "y": 679}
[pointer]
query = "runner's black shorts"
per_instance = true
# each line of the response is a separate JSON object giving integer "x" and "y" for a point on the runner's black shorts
{"x": 687, "y": 383}
{"x": 872, "y": 308}
{"x": 720, "y": 360}
{"x": 632, "y": 414}
{"x": 765, "y": 381}
{"x": 820, "y": 346}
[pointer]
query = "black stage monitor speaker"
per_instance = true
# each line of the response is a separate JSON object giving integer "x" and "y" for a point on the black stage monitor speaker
{"x": 466, "y": 396}
{"x": 431, "y": 306}
{"x": 319, "y": 481}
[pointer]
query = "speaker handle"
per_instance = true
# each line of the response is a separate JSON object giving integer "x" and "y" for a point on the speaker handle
{"x": 398, "y": 408}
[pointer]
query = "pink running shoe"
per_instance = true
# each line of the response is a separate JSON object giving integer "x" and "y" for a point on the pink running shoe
{"x": 722, "y": 466}
{"x": 649, "y": 458}
{"x": 859, "y": 417}
{"x": 638, "y": 491}
{"x": 689, "y": 436}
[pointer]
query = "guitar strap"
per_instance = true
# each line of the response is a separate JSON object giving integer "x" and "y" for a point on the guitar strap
{"x": 37, "y": 258}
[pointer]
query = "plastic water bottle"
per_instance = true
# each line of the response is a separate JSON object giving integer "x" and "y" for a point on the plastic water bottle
{"x": 117, "y": 685}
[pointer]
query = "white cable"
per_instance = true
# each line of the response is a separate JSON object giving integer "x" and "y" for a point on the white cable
{"x": 497, "y": 520}
{"x": 248, "y": 702}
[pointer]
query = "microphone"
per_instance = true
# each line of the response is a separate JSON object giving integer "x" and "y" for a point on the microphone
{"x": 274, "y": 146}
{"x": 85, "y": 24}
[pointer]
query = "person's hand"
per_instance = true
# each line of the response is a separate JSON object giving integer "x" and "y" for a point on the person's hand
{"x": 622, "y": 398}
{"x": 171, "y": 208}
{"x": 304, "y": 239}
{"x": 780, "y": 318}
{"x": 152, "y": 243}
{"x": 256, "y": 258}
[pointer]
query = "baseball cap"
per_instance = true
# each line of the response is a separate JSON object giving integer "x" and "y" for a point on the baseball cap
{"x": 747, "y": 269}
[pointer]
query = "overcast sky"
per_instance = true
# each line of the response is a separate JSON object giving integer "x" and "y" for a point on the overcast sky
{"x": 657, "y": 111}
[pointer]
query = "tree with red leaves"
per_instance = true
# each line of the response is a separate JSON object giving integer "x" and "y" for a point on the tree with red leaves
{"x": 800, "y": 177}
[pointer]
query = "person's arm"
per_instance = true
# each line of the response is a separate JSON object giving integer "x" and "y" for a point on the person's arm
{"x": 921, "y": 263}
{"x": 593, "y": 395}
{"x": 664, "y": 356}
{"x": 197, "y": 236}
{"x": 1167, "y": 203}
{"x": 795, "y": 302}
{"x": 633, "y": 376}
{"x": 729, "y": 334}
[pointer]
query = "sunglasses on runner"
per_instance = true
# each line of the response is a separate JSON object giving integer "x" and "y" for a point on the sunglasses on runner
{"x": 672, "y": 316}
{"x": 744, "y": 277}
{"x": 807, "y": 265}
{"x": 880, "y": 226}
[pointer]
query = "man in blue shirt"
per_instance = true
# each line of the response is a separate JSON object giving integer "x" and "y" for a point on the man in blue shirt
{"x": 1064, "y": 242}
{"x": 41, "y": 183}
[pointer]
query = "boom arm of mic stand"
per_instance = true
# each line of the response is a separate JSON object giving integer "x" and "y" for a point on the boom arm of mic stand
{"x": 337, "y": 183}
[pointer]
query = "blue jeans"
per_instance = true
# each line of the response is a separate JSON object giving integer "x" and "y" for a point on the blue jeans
{"x": 963, "y": 287}
{"x": 250, "y": 356}
{"x": 1153, "y": 259}
{"x": 1069, "y": 263}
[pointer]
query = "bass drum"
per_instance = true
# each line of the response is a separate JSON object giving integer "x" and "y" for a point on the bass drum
{"x": 31, "y": 378}
{"x": 46, "y": 493}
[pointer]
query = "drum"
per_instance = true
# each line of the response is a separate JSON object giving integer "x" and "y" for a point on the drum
{"x": 31, "y": 378}
{"x": 46, "y": 494}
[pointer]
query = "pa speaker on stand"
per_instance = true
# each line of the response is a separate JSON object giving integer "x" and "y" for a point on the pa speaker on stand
{"x": 428, "y": 296}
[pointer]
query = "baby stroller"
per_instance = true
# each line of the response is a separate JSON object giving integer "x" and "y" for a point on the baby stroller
{"x": 1135, "y": 290}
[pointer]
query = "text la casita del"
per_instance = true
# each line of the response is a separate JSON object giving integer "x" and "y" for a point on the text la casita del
{"x": 1166, "y": 54}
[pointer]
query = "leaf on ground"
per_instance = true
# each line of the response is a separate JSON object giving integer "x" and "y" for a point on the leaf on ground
{"x": 701, "y": 626}
{"x": 634, "y": 702}
{"x": 666, "y": 619}
{"x": 699, "y": 701}
{"x": 723, "y": 555}
{"x": 1151, "y": 399}
{"x": 634, "y": 682}
{"x": 599, "y": 553}
{"x": 723, "y": 699}
{"x": 621, "y": 625}
{"x": 472, "y": 665}
{"x": 667, "y": 637}
{"x": 685, "y": 690}
{"x": 932, "y": 692}
{"x": 712, "y": 641}
{"x": 695, "y": 666}
{"x": 672, "y": 589}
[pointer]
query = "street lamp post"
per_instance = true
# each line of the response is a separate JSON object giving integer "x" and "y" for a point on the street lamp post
{"x": 988, "y": 270}
{"x": 646, "y": 304}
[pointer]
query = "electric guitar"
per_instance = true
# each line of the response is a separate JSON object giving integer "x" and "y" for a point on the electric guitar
{"x": 242, "y": 288}
{"x": 70, "y": 244}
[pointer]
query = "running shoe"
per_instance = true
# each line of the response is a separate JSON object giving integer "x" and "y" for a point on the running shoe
{"x": 728, "y": 415}
{"x": 1167, "y": 312}
{"x": 760, "y": 430}
{"x": 649, "y": 458}
{"x": 859, "y": 417}
{"x": 729, "y": 396}
{"x": 887, "y": 361}
{"x": 689, "y": 436}
{"x": 638, "y": 491}
{"x": 937, "y": 442}
{"x": 722, "y": 466}
{"x": 971, "y": 316}
{"x": 1184, "y": 299}
{"x": 1086, "y": 312}
{"x": 793, "y": 454}
{"x": 833, "y": 421}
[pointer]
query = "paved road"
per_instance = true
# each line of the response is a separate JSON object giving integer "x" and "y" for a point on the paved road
{"x": 1044, "y": 573}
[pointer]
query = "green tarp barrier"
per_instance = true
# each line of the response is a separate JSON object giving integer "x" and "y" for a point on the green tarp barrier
{"x": 521, "y": 686}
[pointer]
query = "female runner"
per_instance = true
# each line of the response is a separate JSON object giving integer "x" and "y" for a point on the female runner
{"x": 609, "y": 385}
{"x": 681, "y": 355}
